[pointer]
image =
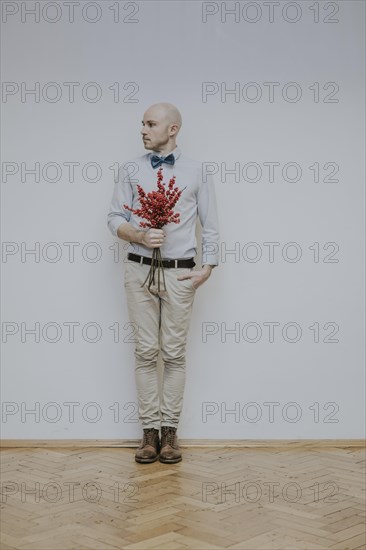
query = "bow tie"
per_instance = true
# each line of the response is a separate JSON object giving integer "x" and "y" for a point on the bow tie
{"x": 156, "y": 161}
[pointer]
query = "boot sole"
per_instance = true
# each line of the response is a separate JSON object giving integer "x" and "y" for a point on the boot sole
{"x": 170, "y": 460}
{"x": 146, "y": 460}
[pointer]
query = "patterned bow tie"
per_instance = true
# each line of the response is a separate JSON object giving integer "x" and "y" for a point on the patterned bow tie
{"x": 157, "y": 161}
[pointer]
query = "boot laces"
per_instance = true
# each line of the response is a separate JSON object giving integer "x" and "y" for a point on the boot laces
{"x": 149, "y": 436}
{"x": 169, "y": 434}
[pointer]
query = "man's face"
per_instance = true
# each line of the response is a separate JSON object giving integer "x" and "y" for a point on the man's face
{"x": 155, "y": 129}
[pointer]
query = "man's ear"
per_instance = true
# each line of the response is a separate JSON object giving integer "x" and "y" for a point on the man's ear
{"x": 174, "y": 129}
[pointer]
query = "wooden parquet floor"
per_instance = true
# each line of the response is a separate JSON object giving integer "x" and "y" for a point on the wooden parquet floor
{"x": 234, "y": 498}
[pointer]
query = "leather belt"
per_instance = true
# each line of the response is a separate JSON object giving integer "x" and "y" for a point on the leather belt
{"x": 188, "y": 262}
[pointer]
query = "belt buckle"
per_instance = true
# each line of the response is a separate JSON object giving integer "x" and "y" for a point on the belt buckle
{"x": 141, "y": 260}
{"x": 175, "y": 264}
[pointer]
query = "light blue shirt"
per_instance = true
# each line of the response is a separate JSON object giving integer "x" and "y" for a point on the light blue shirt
{"x": 197, "y": 200}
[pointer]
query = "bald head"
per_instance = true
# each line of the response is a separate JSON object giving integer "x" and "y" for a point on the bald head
{"x": 166, "y": 111}
{"x": 161, "y": 124}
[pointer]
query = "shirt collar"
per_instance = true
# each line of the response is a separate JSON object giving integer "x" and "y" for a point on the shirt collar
{"x": 176, "y": 153}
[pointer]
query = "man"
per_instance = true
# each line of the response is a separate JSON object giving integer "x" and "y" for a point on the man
{"x": 163, "y": 317}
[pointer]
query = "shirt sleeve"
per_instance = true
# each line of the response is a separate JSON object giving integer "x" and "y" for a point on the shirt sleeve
{"x": 208, "y": 216}
{"x": 122, "y": 194}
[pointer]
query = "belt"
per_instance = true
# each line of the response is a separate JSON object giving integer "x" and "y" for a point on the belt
{"x": 188, "y": 262}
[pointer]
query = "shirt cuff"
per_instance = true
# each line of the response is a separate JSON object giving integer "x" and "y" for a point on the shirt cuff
{"x": 114, "y": 224}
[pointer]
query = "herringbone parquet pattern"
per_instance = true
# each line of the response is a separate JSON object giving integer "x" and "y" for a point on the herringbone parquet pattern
{"x": 234, "y": 498}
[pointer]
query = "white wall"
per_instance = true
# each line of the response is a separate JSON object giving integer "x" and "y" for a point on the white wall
{"x": 169, "y": 52}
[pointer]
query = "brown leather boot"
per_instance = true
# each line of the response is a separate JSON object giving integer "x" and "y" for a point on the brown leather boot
{"x": 169, "y": 453}
{"x": 149, "y": 447}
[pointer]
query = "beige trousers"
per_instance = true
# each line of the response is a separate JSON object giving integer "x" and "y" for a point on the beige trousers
{"x": 162, "y": 321}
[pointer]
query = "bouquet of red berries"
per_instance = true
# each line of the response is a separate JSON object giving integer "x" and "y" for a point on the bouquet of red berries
{"x": 157, "y": 209}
